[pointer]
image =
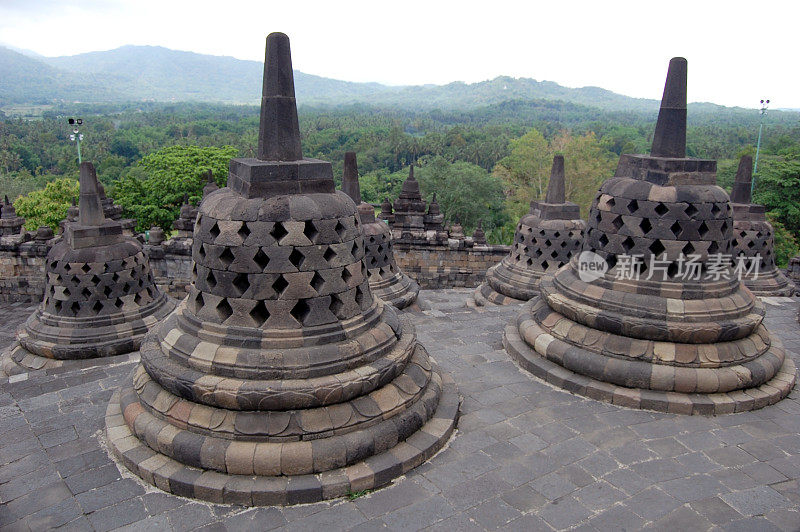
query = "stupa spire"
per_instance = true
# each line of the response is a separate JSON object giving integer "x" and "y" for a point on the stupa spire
{"x": 350, "y": 184}
{"x": 743, "y": 182}
{"x": 669, "y": 139}
{"x": 90, "y": 210}
{"x": 556, "y": 192}
{"x": 279, "y": 130}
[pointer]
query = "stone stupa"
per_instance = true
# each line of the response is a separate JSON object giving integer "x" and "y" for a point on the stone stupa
{"x": 100, "y": 298}
{"x": 753, "y": 239}
{"x": 409, "y": 209}
{"x": 280, "y": 379}
{"x": 386, "y": 280}
{"x": 545, "y": 240}
{"x": 10, "y": 223}
{"x": 655, "y": 334}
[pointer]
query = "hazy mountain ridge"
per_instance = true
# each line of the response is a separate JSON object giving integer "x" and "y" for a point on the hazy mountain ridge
{"x": 153, "y": 73}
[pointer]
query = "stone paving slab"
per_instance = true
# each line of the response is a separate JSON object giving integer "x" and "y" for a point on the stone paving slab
{"x": 526, "y": 456}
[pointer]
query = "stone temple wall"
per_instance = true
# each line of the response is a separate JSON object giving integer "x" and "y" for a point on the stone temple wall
{"x": 459, "y": 263}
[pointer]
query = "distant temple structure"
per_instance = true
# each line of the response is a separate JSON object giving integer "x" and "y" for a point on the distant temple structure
{"x": 386, "y": 280}
{"x": 546, "y": 238}
{"x": 753, "y": 240}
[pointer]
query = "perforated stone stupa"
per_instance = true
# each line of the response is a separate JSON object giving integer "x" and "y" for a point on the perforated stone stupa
{"x": 671, "y": 341}
{"x": 10, "y": 223}
{"x": 546, "y": 238}
{"x": 280, "y": 379}
{"x": 753, "y": 239}
{"x": 386, "y": 280}
{"x": 100, "y": 298}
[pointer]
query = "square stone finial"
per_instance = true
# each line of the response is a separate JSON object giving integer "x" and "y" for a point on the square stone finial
{"x": 280, "y": 167}
{"x": 669, "y": 139}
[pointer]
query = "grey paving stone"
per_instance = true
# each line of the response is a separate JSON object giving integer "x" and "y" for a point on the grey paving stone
{"x": 564, "y": 513}
{"x": 386, "y": 500}
{"x": 189, "y": 517}
{"x": 715, "y": 510}
{"x": 756, "y": 501}
{"x": 617, "y": 518}
{"x": 120, "y": 514}
{"x": 420, "y": 514}
{"x": 524, "y": 498}
{"x": 684, "y": 518}
{"x": 494, "y": 513}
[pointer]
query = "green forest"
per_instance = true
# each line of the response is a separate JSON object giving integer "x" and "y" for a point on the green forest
{"x": 485, "y": 164}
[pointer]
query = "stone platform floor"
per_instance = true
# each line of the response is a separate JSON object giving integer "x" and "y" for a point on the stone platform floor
{"x": 526, "y": 456}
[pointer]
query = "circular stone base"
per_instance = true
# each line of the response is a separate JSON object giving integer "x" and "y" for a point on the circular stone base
{"x": 17, "y": 360}
{"x": 486, "y": 296}
{"x": 400, "y": 291}
{"x": 374, "y": 472}
{"x": 673, "y": 402}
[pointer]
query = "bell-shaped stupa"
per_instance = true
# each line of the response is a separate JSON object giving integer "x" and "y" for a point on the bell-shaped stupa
{"x": 280, "y": 379}
{"x": 546, "y": 239}
{"x": 753, "y": 240}
{"x": 386, "y": 280}
{"x": 100, "y": 298}
{"x": 650, "y": 314}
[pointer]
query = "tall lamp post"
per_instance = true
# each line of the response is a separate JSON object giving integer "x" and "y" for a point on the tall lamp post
{"x": 763, "y": 111}
{"x": 76, "y": 136}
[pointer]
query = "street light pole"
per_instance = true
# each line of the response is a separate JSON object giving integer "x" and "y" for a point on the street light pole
{"x": 76, "y": 135}
{"x": 763, "y": 111}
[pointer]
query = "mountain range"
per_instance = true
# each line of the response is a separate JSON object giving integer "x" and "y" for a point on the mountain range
{"x": 153, "y": 73}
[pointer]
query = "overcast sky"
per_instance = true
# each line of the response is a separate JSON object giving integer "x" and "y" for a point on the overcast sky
{"x": 738, "y": 52}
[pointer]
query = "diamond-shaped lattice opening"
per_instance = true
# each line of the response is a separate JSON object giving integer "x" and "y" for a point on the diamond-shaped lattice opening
{"x": 119, "y": 303}
{"x": 300, "y": 311}
{"x": 691, "y": 210}
{"x": 194, "y": 272}
{"x": 545, "y": 265}
{"x": 310, "y": 231}
{"x": 86, "y": 293}
{"x": 202, "y": 251}
{"x": 617, "y": 222}
{"x": 713, "y": 248}
{"x": 743, "y": 234}
{"x": 380, "y": 248}
{"x": 715, "y": 209}
{"x": 675, "y": 228}
{"x": 628, "y": 244}
{"x": 703, "y": 229}
{"x": 67, "y": 267}
{"x": 373, "y": 261}
{"x": 96, "y": 280}
{"x": 75, "y": 307}
{"x": 759, "y": 234}
{"x": 260, "y": 314}
{"x": 86, "y": 268}
{"x": 661, "y": 209}
{"x": 548, "y": 243}
{"x": 672, "y": 269}
{"x": 611, "y": 202}
{"x": 214, "y": 231}
{"x": 54, "y": 265}
{"x": 211, "y": 280}
{"x": 280, "y": 285}
{"x": 241, "y": 283}
{"x": 199, "y": 302}
{"x": 296, "y": 258}
{"x": 359, "y": 297}
{"x": 97, "y": 307}
{"x": 261, "y": 259}
{"x": 243, "y": 231}
{"x": 611, "y": 260}
{"x": 340, "y": 230}
{"x": 57, "y": 305}
{"x": 329, "y": 254}
{"x": 336, "y": 305}
{"x": 226, "y": 257}
{"x": 688, "y": 249}
{"x": 529, "y": 261}
{"x": 537, "y": 253}
{"x": 724, "y": 227}
{"x": 645, "y": 225}
{"x": 346, "y": 275}
{"x": 751, "y": 244}
{"x": 556, "y": 234}
{"x": 278, "y": 231}
{"x": 563, "y": 243}
{"x": 224, "y": 310}
{"x": 633, "y": 206}
{"x": 137, "y": 299}
{"x": 67, "y": 293}
{"x": 657, "y": 248}
{"x": 354, "y": 249}
{"x": 317, "y": 281}
{"x": 554, "y": 254}
{"x": 603, "y": 240}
